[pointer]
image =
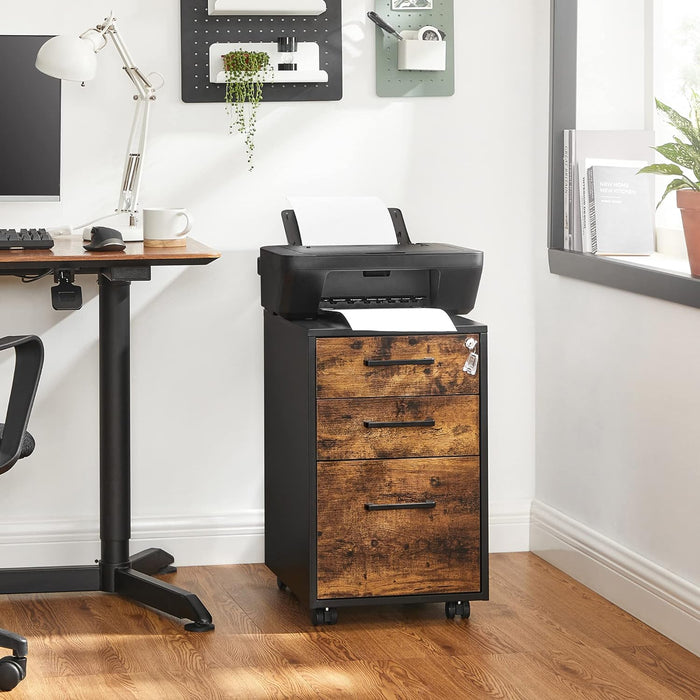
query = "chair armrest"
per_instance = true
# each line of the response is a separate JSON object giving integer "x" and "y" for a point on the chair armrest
{"x": 29, "y": 359}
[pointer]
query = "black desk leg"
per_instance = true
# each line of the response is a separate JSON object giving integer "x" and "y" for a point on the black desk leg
{"x": 115, "y": 428}
{"x": 118, "y": 572}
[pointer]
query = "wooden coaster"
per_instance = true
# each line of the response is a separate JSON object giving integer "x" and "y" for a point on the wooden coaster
{"x": 170, "y": 243}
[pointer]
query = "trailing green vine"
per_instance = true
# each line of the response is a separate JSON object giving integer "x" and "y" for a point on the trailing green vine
{"x": 246, "y": 72}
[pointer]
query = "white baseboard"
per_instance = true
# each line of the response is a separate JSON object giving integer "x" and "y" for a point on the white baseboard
{"x": 509, "y": 526}
{"x": 657, "y": 596}
{"x": 233, "y": 538}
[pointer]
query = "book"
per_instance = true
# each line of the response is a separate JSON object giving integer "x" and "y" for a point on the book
{"x": 583, "y": 144}
{"x": 620, "y": 212}
{"x": 568, "y": 194}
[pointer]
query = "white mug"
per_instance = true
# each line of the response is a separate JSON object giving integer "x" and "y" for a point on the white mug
{"x": 166, "y": 226}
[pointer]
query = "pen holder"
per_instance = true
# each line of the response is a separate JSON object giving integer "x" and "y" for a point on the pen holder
{"x": 417, "y": 54}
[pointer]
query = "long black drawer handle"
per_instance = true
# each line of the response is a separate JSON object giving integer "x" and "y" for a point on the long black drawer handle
{"x": 400, "y": 506}
{"x": 398, "y": 424}
{"x": 396, "y": 363}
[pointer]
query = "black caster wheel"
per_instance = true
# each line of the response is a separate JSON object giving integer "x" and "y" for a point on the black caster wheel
{"x": 324, "y": 616}
{"x": 281, "y": 584}
{"x": 317, "y": 617}
{"x": 12, "y": 671}
{"x": 201, "y": 626}
{"x": 459, "y": 607}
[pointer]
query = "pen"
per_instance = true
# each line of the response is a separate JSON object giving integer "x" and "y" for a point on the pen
{"x": 384, "y": 25}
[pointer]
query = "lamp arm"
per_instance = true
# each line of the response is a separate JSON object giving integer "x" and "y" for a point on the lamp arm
{"x": 136, "y": 148}
{"x": 135, "y": 154}
{"x": 142, "y": 83}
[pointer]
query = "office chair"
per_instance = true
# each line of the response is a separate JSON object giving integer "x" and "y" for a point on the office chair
{"x": 16, "y": 443}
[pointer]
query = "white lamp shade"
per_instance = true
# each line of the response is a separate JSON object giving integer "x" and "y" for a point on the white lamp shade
{"x": 68, "y": 58}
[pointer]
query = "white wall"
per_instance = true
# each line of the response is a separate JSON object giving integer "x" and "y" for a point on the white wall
{"x": 617, "y": 447}
{"x": 196, "y": 334}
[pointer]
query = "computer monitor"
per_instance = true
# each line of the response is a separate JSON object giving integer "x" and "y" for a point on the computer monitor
{"x": 30, "y": 124}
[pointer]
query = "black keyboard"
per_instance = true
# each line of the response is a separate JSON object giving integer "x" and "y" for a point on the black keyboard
{"x": 29, "y": 238}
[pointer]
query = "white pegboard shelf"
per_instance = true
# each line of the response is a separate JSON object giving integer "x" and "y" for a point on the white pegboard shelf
{"x": 277, "y": 76}
{"x": 266, "y": 7}
{"x": 307, "y": 58}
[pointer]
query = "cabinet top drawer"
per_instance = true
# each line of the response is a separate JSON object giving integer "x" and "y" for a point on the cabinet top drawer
{"x": 403, "y": 365}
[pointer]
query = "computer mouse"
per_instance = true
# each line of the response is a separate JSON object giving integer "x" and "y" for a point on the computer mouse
{"x": 105, "y": 239}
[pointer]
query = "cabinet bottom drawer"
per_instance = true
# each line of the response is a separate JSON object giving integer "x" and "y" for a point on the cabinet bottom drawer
{"x": 398, "y": 527}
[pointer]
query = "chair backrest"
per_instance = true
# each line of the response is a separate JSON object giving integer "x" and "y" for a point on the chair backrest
{"x": 29, "y": 359}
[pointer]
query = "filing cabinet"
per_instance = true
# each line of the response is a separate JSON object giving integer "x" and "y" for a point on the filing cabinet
{"x": 375, "y": 465}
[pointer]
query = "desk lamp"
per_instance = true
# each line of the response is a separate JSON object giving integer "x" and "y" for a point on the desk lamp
{"x": 75, "y": 58}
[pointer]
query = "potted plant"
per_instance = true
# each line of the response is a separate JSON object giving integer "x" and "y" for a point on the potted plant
{"x": 684, "y": 156}
{"x": 246, "y": 72}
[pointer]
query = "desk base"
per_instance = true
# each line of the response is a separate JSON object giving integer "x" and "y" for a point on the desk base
{"x": 132, "y": 580}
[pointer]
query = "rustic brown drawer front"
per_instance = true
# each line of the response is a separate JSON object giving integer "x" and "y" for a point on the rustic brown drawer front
{"x": 397, "y": 427}
{"x": 367, "y": 549}
{"x": 394, "y": 366}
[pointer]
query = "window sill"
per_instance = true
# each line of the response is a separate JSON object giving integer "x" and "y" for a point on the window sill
{"x": 657, "y": 261}
{"x": 660, "y": 276}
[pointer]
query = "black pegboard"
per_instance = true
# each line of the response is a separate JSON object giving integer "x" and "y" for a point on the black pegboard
{"x": 198, "y": 30}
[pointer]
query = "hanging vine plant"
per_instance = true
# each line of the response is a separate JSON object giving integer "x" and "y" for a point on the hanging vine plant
{"x": 246, "y": 72}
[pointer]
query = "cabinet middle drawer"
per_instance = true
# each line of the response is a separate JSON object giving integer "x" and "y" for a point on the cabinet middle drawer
{"x": 386, "y": 428}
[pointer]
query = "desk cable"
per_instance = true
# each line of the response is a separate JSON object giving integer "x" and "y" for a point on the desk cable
{"x": 26, "y": 279}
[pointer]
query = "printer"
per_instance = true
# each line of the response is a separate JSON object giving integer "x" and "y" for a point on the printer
{"x": 299, "y": 281}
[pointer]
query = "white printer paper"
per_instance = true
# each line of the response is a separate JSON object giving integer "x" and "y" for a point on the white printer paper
{"x": 398, "y": 320}
{"x": 343, "y": 220}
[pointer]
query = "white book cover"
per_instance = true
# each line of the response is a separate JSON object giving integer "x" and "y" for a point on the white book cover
{"x": 568, "y": 177}
{"x": 621, "y": 209}
{"x": 618, "y": 145}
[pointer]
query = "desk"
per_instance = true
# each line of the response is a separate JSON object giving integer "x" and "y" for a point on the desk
{"x": 116, "y": 571}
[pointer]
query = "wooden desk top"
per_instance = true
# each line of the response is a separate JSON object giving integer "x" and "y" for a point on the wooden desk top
{"x": 68, "y": 253}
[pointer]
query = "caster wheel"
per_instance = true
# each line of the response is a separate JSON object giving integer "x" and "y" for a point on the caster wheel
{"x": 11, "y": 673}
{"x": 450, "y": 609}
{"x": 199, "y": 626}
{"x": 281, "y": 584}
{"x": 317, "y": 617}
{"x": 466, "y": 610}
{"x": 324, "y": 616}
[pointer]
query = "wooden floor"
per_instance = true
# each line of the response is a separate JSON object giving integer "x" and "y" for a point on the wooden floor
{"x": 542, "y": 635}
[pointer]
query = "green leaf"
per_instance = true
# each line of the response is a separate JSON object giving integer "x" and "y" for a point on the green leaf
{"x": 683, "y": 154}
{"x": 685, "y": 126}
{"x": 673, "y": 186}
{"x": 661, "y": 169}
{"x": 695, "y": 108}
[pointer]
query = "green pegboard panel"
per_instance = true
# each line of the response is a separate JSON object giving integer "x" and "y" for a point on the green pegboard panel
{"x": 392, "y": 82}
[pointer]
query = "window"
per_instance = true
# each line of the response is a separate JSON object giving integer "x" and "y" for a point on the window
{"x": 676, "y": 71}
{"x": 663, "y": 38}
